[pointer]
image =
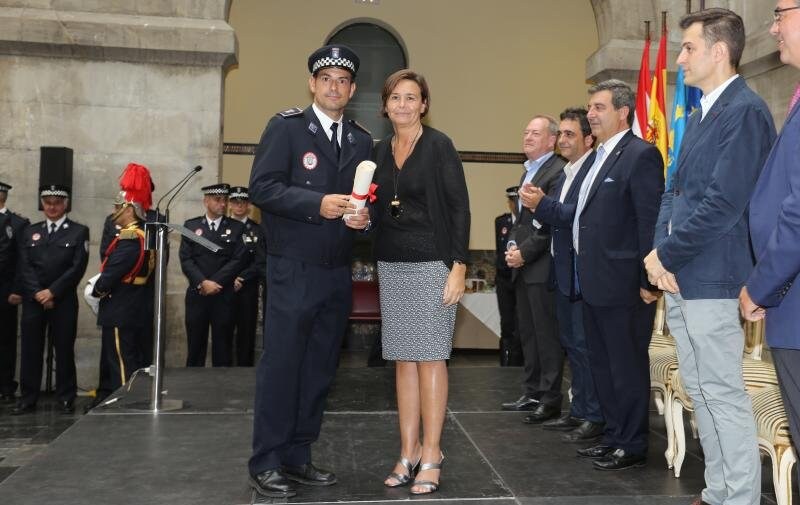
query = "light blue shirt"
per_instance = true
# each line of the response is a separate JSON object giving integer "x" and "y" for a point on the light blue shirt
{"x": 531, "y": 168}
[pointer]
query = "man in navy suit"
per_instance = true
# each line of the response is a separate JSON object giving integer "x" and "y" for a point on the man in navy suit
{"x": 772, "y": 288}
{"x": 702, "y": 256}
{"x": 584, "y": 419}
{"x": 301, "y": 180}
{"x": 612, "y": 232}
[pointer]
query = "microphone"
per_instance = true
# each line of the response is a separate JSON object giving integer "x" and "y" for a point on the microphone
{"x": 174, "y": 191}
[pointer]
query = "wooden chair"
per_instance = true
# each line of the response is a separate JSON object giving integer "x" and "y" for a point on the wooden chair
{"x": 774, "y": 439}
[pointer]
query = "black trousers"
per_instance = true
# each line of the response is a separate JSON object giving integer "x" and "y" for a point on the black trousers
{"x": 507, "y": 305}
{"x": 123, "y": 354}
{"x": 8, "y": 347}
{"x": 538, "y": 334}
{"x": 61, "y": 324}
{"x": 305, "y": 321}
{"x": 215, "y": 311}
{"x": 617, "y": 338}
{"x": 245, "y": 318}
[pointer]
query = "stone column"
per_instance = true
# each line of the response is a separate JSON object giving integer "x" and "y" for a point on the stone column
{"x": 117, "y": 81}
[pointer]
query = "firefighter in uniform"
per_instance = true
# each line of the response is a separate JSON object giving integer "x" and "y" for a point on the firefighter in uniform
{"x": 301, "y": 180}
{"x": 247, "y": 282}
{"x": 10, "y": 298}
{"x": 53, "y": 258}
{"x": 510, "y": 349}
{"x": 209, "y": 297}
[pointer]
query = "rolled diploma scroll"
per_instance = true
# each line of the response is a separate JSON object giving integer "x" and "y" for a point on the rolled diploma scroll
{"x": 364, "y": 172}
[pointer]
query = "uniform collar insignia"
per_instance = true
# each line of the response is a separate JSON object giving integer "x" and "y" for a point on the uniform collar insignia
{"x": 312, "y": 128}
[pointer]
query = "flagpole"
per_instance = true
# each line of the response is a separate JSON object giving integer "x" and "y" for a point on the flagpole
{"x": 688, "y": 6}
{"x": 647, "y": 30}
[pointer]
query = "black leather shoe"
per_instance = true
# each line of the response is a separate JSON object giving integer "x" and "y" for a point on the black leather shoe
{"x": 273, "y": 484}
{"x": 23, "y": 408}
{"x": 563, "y": 423}
{"x": 542, "y": 413}
{"x": 309, "y": 474}
{"x": 620, "y": 460}
{"x": 586, "y": 432}
{"x": 524, "y": 403}
{"x": 67, "y": 407}
{"x": 7, "y": 397}
{"x": 595, "y": 451}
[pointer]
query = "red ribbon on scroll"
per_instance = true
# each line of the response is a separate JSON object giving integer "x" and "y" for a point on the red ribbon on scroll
{"x": 370, "y": 194}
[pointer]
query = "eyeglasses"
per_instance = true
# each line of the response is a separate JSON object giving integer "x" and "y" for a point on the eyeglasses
{"x": 777, "y": 13}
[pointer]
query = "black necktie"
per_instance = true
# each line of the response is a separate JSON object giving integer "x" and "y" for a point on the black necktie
{"x": 335, "y": 139}
{"x": 213, "y": 226}
{"x": 52, "y": 228}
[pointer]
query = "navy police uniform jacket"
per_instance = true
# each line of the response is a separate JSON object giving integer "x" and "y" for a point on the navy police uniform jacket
{"x": 199, "y": 263}
{"x": 53, "y": 262}
{"x": 294, "y": 167}
{"x": 123, "y": 281}
{"x": 502, "y": 229}
{"x": 10, "y": 280}
{"x": 255, "y": 261}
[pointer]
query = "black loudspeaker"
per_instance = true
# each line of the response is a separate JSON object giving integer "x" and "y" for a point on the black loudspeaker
{"x": 55, "y": 167}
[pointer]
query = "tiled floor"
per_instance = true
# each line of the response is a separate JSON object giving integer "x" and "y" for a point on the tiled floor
{"x": 198, "y": 455}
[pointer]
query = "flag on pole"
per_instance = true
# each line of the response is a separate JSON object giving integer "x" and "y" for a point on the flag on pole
{"x": 687, "y": 99}
{"x": 642, "y": 92}
{"x": 657, "y": 119}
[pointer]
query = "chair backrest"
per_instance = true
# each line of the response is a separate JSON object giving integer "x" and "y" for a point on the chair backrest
{"x": 366, "y": 301}
{"x": 660, "y": 321}
{"x": 753, "y": 339}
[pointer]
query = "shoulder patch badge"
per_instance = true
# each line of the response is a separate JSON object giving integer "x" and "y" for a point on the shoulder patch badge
{"x": 293, "y": 112}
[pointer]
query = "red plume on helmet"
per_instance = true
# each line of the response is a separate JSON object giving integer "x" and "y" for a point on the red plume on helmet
{"x": 135, "y": 181}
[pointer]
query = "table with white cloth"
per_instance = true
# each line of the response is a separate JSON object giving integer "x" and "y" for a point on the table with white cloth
{"x": 477, "y": 322}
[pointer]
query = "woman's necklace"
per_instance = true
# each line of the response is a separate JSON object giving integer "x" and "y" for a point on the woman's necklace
{"x": 396, "y": 208}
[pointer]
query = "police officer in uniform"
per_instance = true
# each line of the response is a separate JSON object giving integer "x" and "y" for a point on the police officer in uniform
{"x": 53, "y": 258}
{"x": 209, "y": 297}
{"x": 122, "y": 285}
{"x": 301, "y": 180}
{"x": 248, "y": 281}
{"x": 510, "y": 350}
{"x": 10, "y": 297}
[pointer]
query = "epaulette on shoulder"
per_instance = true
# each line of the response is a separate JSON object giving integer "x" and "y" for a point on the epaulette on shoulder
{"x": 356, "y": 124}
{"x": 128, "y": 234}
{"x": 293, "y": 112}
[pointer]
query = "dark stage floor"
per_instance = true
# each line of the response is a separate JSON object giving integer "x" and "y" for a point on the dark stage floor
{"x": 198, "y": 455}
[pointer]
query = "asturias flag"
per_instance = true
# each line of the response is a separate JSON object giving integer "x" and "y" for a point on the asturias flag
{"x": 687, "y": 99}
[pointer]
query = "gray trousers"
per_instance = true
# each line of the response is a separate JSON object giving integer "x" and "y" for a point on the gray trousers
{"x": 710, "y": 342}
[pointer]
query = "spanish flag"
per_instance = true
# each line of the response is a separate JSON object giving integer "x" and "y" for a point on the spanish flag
{"x": 657, "y": 117}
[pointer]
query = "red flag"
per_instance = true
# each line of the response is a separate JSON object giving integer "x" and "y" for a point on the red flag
{"x": 657, "y": 118}
{"x": 642, "y": 92}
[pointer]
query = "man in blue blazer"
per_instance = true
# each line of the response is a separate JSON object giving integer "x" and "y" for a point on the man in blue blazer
{"x": 584, "y": 419}
{"x": 701, "y": 256}
{"x": 772, "y": 288}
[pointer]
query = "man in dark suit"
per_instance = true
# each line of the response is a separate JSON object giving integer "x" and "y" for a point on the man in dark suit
{"x": 612, "y": 232}
{"x": 247, "y": 282}
{"x": 209, "y": 296}
{"x": 584, "y": 419}
{"x": 530, "y": 259}
{"x": 10, "y": 298}
{"x": 702, "y": 256}
{"x": 510, "y": 350}
{"x": 301, "y": 180}
{"x": 773, "y": 288}
{"x": 53, "y": 258}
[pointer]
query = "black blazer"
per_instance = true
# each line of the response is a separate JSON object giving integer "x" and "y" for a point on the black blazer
{"x": 533, "y": 238}
{"x": 617, "y": 223}
{"x": 559, "y": 215}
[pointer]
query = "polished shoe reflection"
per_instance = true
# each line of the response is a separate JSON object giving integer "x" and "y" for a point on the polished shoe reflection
{"x": 586, "y": 432}
{"x": 542, "y": 413}
{"x": 595, "y": 452}
{"x": 309, "y": 474}
{"x": 67, "y": 406}
{"x": 523, "y": 403}
{"x": 620, "y": 460}
{"x": 272, "y": 484}
{"x": 563, "y": 423}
